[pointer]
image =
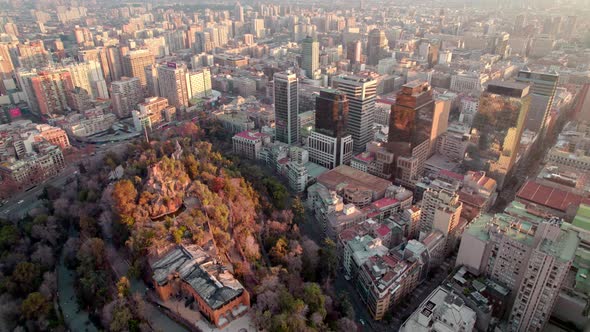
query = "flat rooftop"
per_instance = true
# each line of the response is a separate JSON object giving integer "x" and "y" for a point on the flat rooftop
{"x": 348, "y": 177}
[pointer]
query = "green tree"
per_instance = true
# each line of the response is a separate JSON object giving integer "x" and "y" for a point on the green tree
{"x": 315, "y": 299}
{"x": 121, "y": 318}
{"x": 329, "y": 259}
{"x": 9, "y": 235}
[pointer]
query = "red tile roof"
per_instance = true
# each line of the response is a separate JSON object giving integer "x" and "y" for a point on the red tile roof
{"x": 450, "y": 174}
{"x": 385, "y": 202}
{"x": 554, "y": 198}
{"x": 383, "y": 230}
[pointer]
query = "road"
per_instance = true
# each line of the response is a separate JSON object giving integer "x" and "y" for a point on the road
{"x": 21, "y": 203}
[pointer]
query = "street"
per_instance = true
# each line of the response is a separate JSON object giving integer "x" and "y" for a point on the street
{"x": 21, "y": 203}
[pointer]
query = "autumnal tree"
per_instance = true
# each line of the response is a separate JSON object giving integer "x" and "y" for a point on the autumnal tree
{"x": 27, "y": 277}
{"x": 124, "y": 196}
{"x": 35, "y": 306}
{"x": 298, "y": 210}
{"x": 123, "y": 287}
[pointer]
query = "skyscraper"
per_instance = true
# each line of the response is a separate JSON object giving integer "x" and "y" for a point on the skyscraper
{"x": 543, "y": 86}
{"x": 135, "y": 62}
{"x": 353, "y": 51}
{"x": 286, "y": 100}
{"x": 375, "y": 46}
{"x": 6, "y": 65}
{"x": 239, "y": 12}
{"x": 416, "y": 121}
{"x": 173, "y": 82}
{"x": 361, "y": 93}
{"x": 329, "y": 144}
{"x": 498, "y": 124}
{"x": 310, "y": 56}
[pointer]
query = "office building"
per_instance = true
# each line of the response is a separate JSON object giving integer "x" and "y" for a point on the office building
{"x": 310, "y": 56}
{"x": 415, "y": 124}
{"x": 543, "y": 87}
{"x": 354, "y": 51}
{"x": 376, "y": 46}
{"x": 6, "y": 66}
{"x": 361, "y": 93}
{"x": 134, "y": 64}
{"x": 286, "y": 101}
{"x": 498, "y": 126}
{"x": 329, "y": 144}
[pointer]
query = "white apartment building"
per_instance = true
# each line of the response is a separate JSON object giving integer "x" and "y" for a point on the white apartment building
{"x": 249, "y": 144}
{"x": 328, "y": 151}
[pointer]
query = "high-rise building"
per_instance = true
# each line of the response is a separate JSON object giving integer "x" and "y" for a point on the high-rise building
{"x": 52, "y": 91}
{"x": 32, "y": 55}
{"x": 151, "y": 77}
{"x": 200, "y": 82}
{"x": 361, "y": 93}
{"x": 135, "y": 62}
{"x": 376, "y": 46}
{"x": 6, "y": 65}
{"x": 238, "y": 12}
{"x": 88, "y": 76}
{"x": 415, "y": 123}
{"x": 310, "y": 56}
{"x": 173, "y": 81}
{"x": 498, "y": 126}
{"x": 115, "y": 62}
{"x": 530, "y": 255}
{"x": 353, "y": 51}
{"x": 258, "y": 28}
{"x": 543, "y": 86}
{"x": 125, "y": 95}
{"x": 330, "y": 145}
{"x": 286, "y": 100}
{"x": 441, "y": 211}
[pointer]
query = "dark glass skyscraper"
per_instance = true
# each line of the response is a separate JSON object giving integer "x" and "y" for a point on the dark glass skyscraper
{"x": 410, "y": 123}
{"x": 286, "y": 107}
{"x": 331, "y": 117}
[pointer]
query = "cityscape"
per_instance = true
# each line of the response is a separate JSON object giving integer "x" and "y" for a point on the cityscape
{"x": 295, "y": 166}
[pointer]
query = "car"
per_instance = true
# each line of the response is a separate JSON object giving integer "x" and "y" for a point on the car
{"x": 362, "y": 321}
{"x": 21, "y": 201}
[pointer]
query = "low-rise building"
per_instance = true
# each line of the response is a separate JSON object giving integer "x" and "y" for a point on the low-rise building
{"x": 443, "y": 310}
{"x": 249, "y": 144}
{"x": 190, "y": 272}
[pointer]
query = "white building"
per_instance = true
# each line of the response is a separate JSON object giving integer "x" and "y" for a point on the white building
{"x": 441, "y": 311}
{"x": 328, "y": 151}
